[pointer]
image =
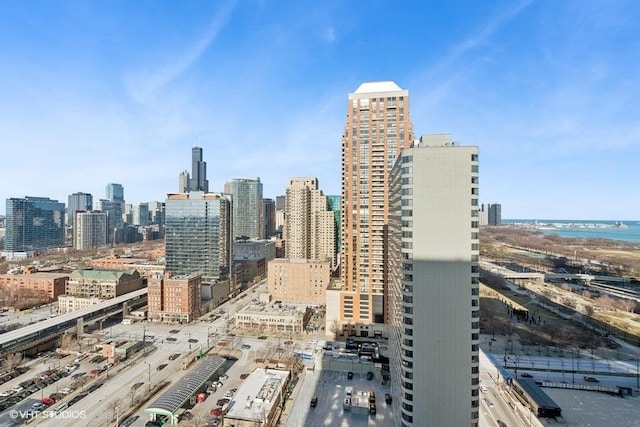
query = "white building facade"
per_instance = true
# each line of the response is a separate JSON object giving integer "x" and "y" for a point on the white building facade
{"x": 433, "y": 275}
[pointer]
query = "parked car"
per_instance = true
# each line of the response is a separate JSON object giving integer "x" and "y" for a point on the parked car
{"x": 244, "y": 376}
{"x": 245, "y": 346}
{"x": 161, "y": 367}
{"x": 171, "y": 339}
{"x": 526, "y": 375}
{"x": 174, "y": 356}
{"x": 129, "y": 421}
{"x": 223, "y": 377}
{"x": 314, "y": 402}
{"x": 349, "y": 375}
{"x": 192, "y": 340}
{"x": 388, "y": 399}
{"x": 369, "y": 375}
{"x": 262, "y": 337}
{"x": 222, "y": 402}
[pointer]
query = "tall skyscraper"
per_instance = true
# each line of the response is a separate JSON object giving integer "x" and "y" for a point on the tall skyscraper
{"x": 183, "y": 182}
{"x": 377, "y": 128}
{"x": 433, "y": 282}
{"x": 115, "y": 192}
{"x": 90, "y": 230}
{"x": 34, "y": 223}
{"x": 140, "y": 214}
{"x": 247, "y": 207}
{"x": 280, "y": 204}
{"x": 309, "y": 225}
{"x": 198, "y": 180}
{"x": 113, "y": 209}
{"x": 269, "y": 217}
{"x": 334, "y": 204}
{"x": 78, "y": 202}
{"x": 198, "y": 236}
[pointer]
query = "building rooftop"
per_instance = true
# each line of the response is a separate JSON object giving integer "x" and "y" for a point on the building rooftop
{"x": 274, "y": 308}
{"x": 257, "y": 395}
{"x": 37, "y": 275}
{"x": 381, "y": 86}
{"x": 101, "y": 274}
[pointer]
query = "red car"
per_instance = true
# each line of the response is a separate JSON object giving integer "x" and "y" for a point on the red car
{"x": 216, "y": 412}
{"x": 48, "y": 401}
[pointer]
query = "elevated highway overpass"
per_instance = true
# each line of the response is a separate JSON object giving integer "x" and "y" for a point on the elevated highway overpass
{"x": 28, "y": 338}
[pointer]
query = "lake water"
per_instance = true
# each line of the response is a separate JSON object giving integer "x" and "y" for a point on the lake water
{"x": 628, "y": 231}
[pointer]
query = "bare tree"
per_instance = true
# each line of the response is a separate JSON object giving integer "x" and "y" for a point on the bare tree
{"x": 113, "y": 409}
{"x": 12, "y": 361}
{"x": 588, "y": 311}
{"x": 628, "y": 305}
{"x": 569, "y": 302}
{"x": 334, "y": 328}
{"x": 606, "y": 303}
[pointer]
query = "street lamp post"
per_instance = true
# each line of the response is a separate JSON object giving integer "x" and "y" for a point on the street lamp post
{"x": 149, "y": 380}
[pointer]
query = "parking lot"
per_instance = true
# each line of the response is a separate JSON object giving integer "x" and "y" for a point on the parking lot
{"x": 330, "y": 388}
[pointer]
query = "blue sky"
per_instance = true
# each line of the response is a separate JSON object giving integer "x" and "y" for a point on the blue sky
{"x": 119, "y": 91}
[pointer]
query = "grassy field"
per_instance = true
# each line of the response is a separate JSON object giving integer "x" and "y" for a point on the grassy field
{"x": 547, "y": 328}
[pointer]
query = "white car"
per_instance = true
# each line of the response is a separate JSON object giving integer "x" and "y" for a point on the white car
{"x": 6, "y": 393}
{"x": 66, "y": 390}
{"x": 224, "y": 377}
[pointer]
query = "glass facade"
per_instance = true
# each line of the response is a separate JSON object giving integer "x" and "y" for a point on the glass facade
{"x": 34, "y": 223}
{"x": 197, "y": 235}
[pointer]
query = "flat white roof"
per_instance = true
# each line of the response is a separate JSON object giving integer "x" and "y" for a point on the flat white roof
{"x": 257, "y": 395}
{"x": 382, "y": 86}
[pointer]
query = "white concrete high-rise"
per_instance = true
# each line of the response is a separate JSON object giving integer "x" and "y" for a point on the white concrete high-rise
{"x": 433, "y": 283}
{"x": 90, "y": 230}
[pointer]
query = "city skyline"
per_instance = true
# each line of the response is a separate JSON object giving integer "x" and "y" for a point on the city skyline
{"x": 96, "y": 95}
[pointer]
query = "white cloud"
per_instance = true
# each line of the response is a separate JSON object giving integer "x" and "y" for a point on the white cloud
{"x": 144, "y": 86}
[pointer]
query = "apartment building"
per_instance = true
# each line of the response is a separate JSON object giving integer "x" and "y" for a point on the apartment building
{"x": 434, "y": 282}
{"x": 377, "y": 129}
{"x": 174, "y": 298}
{"x": 299, "y": 280}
